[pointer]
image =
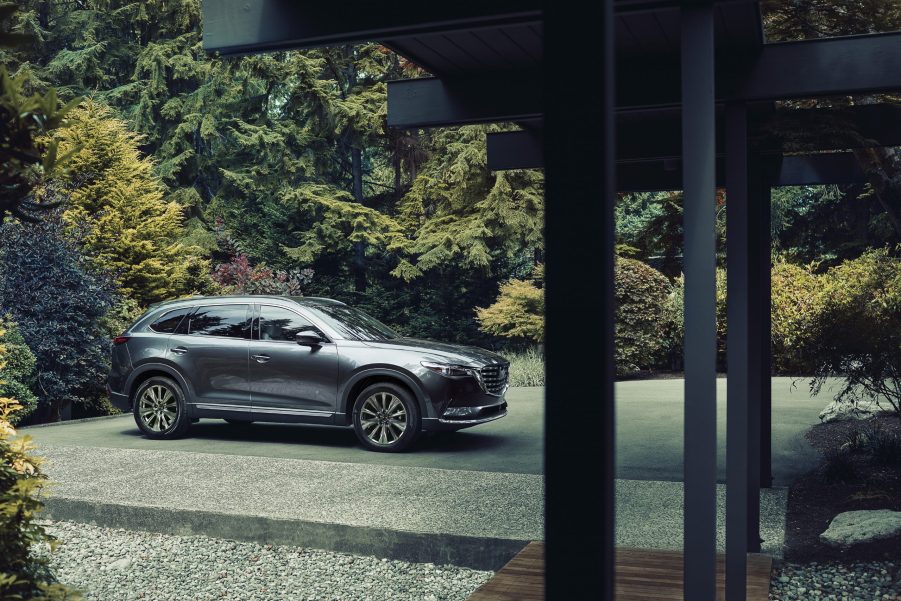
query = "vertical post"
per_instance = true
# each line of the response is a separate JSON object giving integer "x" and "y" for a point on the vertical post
{"x": 764, "y": 252}
{"x": 579, "y": 242}
{"x": 699, "y": 183}
{"x": 739, "y": 299}
{"x": 759, "y": 337}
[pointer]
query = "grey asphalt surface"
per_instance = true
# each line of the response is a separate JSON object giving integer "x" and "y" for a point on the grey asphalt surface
{"x": 649, "y": 435}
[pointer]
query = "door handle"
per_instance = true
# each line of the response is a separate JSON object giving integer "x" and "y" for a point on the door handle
{"x": 179, "y": 350}
{"x": 261, "y": 358}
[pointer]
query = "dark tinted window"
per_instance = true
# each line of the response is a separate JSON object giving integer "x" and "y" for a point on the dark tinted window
{"x": 168, "y": 322}
{"x": 281, "y": 324}
{"x": 352, "y": 323}
{"x": 231, "y": 321}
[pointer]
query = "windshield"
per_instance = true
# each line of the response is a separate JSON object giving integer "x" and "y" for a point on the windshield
{"x": 352, "y": 323}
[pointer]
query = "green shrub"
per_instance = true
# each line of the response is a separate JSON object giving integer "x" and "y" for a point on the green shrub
{"x": 17, "y": 374}
{"x": 796, "y": 305}
{"x": 518, "y": 312}
{"x": 526, "y": 368}
{"x": 642, "y": 295}
{"x": 23, "y": 573}
{"x": 857, "y": 330}
{"x": 674, "y": 319}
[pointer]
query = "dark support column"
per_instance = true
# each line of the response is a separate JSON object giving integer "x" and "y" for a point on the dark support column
{"x": 740, "y": 298}
{"x": 756, "y": 225}
{"x": 699, "y": 185}
{"x": 765, "y": 370}
{"x": 579, "y": 237}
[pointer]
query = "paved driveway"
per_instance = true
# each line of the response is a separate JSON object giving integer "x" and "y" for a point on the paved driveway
{"x": 649, "y": 431}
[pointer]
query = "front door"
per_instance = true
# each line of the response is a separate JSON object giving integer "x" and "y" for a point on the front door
{"x": 288, "y": 380}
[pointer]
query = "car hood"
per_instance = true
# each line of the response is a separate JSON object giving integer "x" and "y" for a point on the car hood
{"x": 440, "y": 351}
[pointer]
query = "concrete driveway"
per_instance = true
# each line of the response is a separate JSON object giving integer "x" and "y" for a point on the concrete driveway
{"x": 650, "y": 433}
{"x": 649, "y": 436}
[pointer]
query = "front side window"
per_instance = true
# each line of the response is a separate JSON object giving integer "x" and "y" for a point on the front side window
{"x": 229, "y": 321}
{"x": 169, "y": 321}
{"x": 281, "y": 325}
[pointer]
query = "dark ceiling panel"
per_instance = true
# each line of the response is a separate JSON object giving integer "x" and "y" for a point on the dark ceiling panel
{"x": 424, "y": 55}
{"x": 493, "y": 56}
{"x": 527, "y": 39}
{"x": 457, "y": 50}
{"x": 649, "y": 30}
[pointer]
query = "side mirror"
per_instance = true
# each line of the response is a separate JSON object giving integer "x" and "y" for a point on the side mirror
{"x": 309, "y": 337}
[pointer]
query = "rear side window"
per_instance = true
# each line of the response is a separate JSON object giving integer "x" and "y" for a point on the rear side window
{"x": 229, "y": 321}
{"x": 169, "y": 321}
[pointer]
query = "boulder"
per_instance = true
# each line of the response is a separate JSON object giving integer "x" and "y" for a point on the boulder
{"x": 838, "y": 411}
{"x": 853, "y": 527}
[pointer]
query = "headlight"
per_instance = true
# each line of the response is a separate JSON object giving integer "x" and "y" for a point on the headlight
{"x": 451, "y": 371}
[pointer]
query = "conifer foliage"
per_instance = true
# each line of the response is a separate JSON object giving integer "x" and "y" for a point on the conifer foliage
{"x": 115, "y": 204}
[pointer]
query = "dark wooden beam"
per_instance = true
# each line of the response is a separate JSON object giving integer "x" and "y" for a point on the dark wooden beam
{"x": 840, "y": 66}
{"x": 432, "y": 102}
{"x": 833, "y": 168}
{"x": 802, "y": 170}
{"x": 827, "y": 67}
{"x": 247, "y": 26}
{"x": 515, "y": 150}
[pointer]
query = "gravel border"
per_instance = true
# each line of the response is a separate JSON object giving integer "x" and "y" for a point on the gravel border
{"x": 113, "y": 564}
{"x": 836, "y": 581}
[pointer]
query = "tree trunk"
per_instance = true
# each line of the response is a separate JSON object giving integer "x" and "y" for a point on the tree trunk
{"x": 359, "y": 265}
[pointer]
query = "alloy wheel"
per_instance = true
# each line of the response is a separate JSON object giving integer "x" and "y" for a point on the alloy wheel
{"x": 383, "y": 418}
{"x": 158, "y": 408}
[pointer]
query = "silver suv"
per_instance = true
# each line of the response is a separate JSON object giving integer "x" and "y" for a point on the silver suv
{"x": 299, "y": 360}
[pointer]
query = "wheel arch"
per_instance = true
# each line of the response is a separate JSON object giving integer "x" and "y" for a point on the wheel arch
{"x": 150, "y": 370}
{"x": 371, "y": 376}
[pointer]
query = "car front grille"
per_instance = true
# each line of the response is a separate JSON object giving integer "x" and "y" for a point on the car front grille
{"x": 494, "y": 378}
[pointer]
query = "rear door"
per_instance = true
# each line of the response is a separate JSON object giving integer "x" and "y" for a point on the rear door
{"x": 287, "y": 379}
{"x": 211, "y": 350}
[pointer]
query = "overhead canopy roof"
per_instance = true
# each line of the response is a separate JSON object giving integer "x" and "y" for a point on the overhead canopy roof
{"x": 486, "y": 66}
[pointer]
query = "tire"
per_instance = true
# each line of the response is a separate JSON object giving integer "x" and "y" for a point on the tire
{"x": 386, "y": 418}
{"x": 155, "y": 401}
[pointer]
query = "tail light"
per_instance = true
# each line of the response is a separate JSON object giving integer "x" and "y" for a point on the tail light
{"x": 120, "y": 339}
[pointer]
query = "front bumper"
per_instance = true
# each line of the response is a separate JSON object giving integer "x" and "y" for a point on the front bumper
{"x": 457, "y": 420}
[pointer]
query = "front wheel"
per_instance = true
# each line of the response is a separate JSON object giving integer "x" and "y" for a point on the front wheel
{"x": 386, "y": 418}
{"x": 159, "y": 408}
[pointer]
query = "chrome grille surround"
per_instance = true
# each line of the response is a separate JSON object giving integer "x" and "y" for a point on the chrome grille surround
{"x": 494, "y": 378}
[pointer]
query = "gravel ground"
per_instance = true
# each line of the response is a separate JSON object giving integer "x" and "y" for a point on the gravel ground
{"x": 112, "y": 565}
{"x": 863, "y": 581}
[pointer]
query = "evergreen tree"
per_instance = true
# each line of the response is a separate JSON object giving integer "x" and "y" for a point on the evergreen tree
{"x": 115, "y": 204}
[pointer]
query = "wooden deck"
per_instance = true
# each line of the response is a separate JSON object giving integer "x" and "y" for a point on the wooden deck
{"x": 641, "y": 575}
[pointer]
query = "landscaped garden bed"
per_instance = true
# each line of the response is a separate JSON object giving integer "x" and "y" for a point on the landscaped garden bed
{"x": 861, "y": 470}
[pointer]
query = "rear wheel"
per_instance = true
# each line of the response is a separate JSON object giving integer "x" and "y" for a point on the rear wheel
{"x": 159, "y": 408}
{"x": 386, "y": 418}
